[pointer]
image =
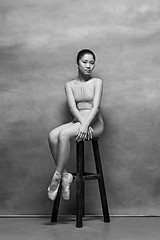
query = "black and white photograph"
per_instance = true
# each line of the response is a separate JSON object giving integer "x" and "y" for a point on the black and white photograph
{"x": 80, "y": 119}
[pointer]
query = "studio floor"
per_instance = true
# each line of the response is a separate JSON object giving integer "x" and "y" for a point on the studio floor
{"x": 120, "y": 228}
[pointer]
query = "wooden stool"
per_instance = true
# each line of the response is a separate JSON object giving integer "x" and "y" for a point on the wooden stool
{"x": 81, "y": 176}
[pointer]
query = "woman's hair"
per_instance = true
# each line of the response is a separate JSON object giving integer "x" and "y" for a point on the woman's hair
{"x": 83, "y": 52}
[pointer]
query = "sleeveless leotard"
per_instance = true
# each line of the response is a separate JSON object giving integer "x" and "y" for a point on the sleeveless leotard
{"x": 83, "y": 96}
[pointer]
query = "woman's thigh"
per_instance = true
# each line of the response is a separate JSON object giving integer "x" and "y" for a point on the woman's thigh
{"x": 55, "y": 132}
{"x": 70, "y": 131}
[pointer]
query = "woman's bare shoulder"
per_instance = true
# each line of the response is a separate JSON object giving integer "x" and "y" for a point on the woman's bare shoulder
{"x": 98, "y": 81}
{"x": 69, "y": 83}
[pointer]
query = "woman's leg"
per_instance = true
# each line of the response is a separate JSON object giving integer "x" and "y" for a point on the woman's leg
{"x": 53, "y": 139}
{"x": 65, "y": 136}
{"x": 61, "y": 138}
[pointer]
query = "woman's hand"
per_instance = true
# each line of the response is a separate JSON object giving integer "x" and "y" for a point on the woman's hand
{"x": 90, "y": 133}
{"x": 82, "y": 133}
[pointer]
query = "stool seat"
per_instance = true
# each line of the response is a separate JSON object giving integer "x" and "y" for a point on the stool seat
{"x": 80, "y": 176}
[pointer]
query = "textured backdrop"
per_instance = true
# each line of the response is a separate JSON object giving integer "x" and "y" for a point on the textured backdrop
{"x": 39, "y": 40}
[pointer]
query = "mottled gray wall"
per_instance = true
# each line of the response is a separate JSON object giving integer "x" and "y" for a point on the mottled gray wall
{"x": 39, "y": 41}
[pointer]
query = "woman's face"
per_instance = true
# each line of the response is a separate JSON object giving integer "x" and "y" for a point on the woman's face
{"x": 86, "y": 64}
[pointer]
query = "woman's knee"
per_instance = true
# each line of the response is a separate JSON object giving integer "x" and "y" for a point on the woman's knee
{"x": 53, "y": 137}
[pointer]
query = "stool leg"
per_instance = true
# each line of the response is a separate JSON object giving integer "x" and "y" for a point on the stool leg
{"x": 101, "y": 181}
{"x": 79, "y": 184}
{"x": 83, "y": 186}
{"x": 56, "y": 205}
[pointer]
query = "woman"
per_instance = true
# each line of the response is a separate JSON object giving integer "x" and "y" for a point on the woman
{"x": 84, "y": 97}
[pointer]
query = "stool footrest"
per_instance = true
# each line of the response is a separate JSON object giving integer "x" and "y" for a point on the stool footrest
{"x": 88, "y": 176}
{"x": 91, "y": 176}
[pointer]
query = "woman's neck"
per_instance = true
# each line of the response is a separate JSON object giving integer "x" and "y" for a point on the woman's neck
{"x": 83, "y": 77}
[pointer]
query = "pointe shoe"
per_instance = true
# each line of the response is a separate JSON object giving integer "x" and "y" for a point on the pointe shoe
{"x": 66, "y": 182}
{"x": 54, "y": 186}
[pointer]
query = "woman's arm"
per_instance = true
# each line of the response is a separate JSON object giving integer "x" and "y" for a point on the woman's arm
{"x": 85, "y": 127}
{"x": 96, "y": 102}
{"x": 71, "y": 103}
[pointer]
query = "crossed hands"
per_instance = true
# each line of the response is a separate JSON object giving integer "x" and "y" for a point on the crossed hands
{"x": 84, "y": 133}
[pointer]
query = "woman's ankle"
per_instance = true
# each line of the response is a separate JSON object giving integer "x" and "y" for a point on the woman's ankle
{"x": 57, "y": 174}
{"x": 65, "y": 171}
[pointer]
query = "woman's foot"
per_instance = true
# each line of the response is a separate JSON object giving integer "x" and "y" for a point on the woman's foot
{"x": 66, "y": 182}
{"x": 54, "y": 186}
